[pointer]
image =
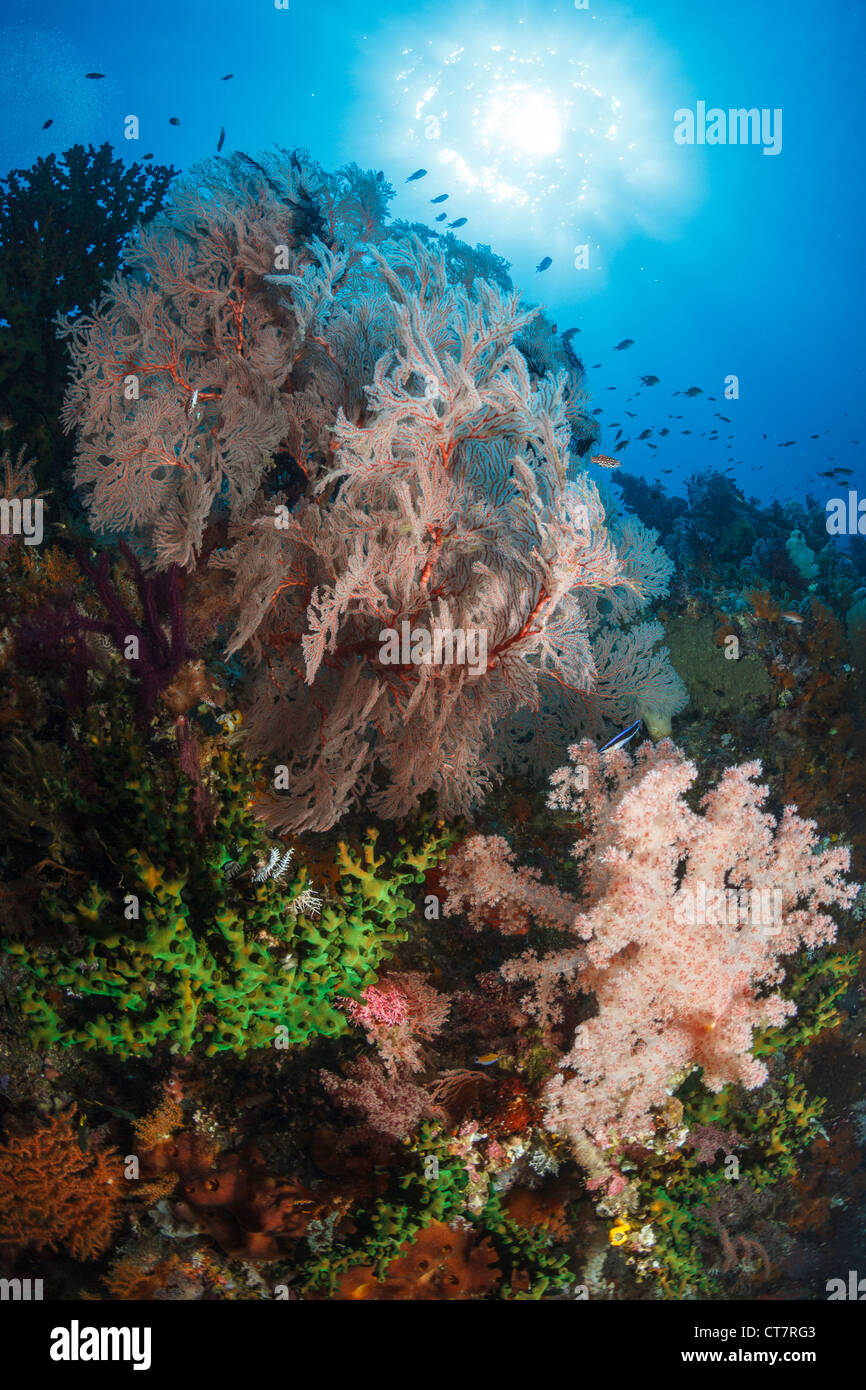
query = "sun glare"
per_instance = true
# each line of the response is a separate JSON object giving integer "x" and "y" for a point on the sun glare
{"x": 522, "y": 122}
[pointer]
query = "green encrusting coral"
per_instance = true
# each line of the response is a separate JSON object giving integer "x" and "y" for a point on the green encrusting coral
{"x": 433, "y": 1184}
{"x": 166, "y": 943}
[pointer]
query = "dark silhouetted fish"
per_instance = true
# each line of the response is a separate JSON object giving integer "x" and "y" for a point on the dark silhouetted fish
{"x": 787, "y": 444}
{"x": 441, "y": 198}
{"x": 722, "y": 417}
{"x": 610, "y": 388}
{"x": 650, "y": 380}
{"x": 685, "y": 431}
{"x": 631, "y": 415}
{"x": 545, "y": 264}
{"x": 147, "y": 156}
{"x": 814, "y": 436}
{"x": 228, "y": 77}
{"x": 595, "y": 366}
{"x": 645, "y": 434}
{"x": 461, "y": 222}
{"x": 626, "y": 343}
{"x": 49, "y": 122}
{"x": 442, "y": 216}
{"x": 664, "y": 431}
{"x": 174, "y": 120}
{"x": 621, "y": 445}
{"x": 667, "y": 470}
{"x": 597, "y": 411}
{"x": 694, "y": 391}
{"x": 618, "y": 434}
{"x": 221, "y": 141}
{"x": 418, "y": 174}
{"x": 94, "y": 75}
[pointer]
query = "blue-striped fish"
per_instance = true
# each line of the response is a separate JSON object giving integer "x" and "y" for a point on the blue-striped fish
{"x": 619, "y": 739}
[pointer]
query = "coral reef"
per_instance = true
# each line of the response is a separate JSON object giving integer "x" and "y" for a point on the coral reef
{"x": 324, "y": 978}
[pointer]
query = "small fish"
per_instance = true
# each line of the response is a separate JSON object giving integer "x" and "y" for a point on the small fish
{"x": 621, "y": 445}
{"x": 461, "y": 222}
{"x": 174, "y": 120}
{"x": 49, "y": 122}
{"x": 605, "y": 461}
{"x": 147, "y": 156}
{"x": 667, "y": 470}
{"x": 722, "y": 417}
{"x": 645, "y": 434}
{"x": 664, "y": 431}
{"x": 441, "y": 217}
{"x": 228, "y": 77}
{"x": 487, "y": 1059}
{"x": 598, "y": 411}
{"x": 545, "y": 264}
{"x": 619, "y": 739}
{"x": 441, "y": 198}
{"x": 694, "y": 391}
{"x": 94, "y": 75}
{"x": 418, "y": 174}
{"x": 595, "y": 366}
{"x": 568, "y": 334}
{"x": 814, "y": 436}
{"x": 626, "y": 343}
{"x": 787, "y": 444}
{"x": 618, "y": 434}
{"x": 685, "y": 431}
{"x": 221, "y": 141}
{"x": 792, "y": 617}
{"x": 631, "y": 414}
{"x": 650, "y": 380}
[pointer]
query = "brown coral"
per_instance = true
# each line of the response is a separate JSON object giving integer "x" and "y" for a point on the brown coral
{"x": 232, "y": 1197}
{"x": 439, "y": 1264}
{"x": 55, "y": 1192}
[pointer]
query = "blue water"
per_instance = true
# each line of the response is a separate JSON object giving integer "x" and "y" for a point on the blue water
{"x": 714, "y": 259}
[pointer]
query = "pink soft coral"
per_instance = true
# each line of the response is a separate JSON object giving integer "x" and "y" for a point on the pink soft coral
{"x": 683, "y": 928}
{"x": 398, "y": 1014}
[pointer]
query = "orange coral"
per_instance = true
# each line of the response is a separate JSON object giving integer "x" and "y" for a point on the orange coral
{"x": 154, "y": 1135}
{"x": 54, "y": 1192}
{"x": 536, "y": 1209}
{"x": 763, "y": 606}
{"x": 438, "y": 1264}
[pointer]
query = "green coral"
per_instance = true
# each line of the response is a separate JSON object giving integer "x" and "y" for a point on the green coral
{"x": 195, "y": 956}
{"x": 677, "y": 1191}
{"x": 433, "y": 1185}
